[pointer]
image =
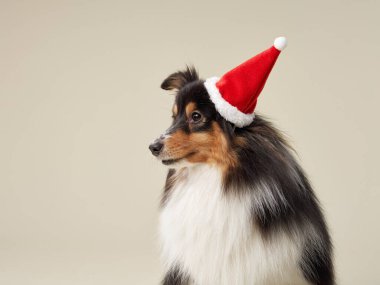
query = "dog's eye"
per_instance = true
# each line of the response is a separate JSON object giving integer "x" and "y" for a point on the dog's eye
{"x": 196, "y": 117}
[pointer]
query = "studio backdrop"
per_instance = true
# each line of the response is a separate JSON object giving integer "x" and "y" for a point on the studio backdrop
{"x": 80, "y": 102}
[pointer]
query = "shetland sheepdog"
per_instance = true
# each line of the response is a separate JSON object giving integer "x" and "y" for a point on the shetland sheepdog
{"x": 237, "y": 208}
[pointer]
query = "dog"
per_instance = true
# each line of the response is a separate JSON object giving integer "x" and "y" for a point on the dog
{"x": 237, "y": 208}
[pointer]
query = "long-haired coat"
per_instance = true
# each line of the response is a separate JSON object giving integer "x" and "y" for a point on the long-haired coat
{"x": 237, "y": 208}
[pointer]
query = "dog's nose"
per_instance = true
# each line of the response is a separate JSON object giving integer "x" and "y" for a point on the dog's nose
{"x": 156, "y": 147}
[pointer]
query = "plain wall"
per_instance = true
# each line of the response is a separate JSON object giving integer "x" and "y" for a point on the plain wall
{"x": 80, "y": 102}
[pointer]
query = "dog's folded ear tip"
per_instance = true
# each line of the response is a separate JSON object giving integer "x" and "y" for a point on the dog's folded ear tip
{"x": 177, "y": 80}
{"x": 166, "y": 86}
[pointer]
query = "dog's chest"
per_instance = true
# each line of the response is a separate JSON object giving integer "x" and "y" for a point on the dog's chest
{"x": 211, "y": 236}
{"x": 200, "y": 228}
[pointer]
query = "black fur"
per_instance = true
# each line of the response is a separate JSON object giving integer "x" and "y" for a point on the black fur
{"x": 264, "y": 158}
{"x": 268, "y": 158}
{"x": 175, "y": 277}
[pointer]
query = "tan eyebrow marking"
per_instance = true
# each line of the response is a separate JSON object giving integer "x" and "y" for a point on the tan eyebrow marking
{"x": 175, "y": 110}
{"x": 191, "y": 107}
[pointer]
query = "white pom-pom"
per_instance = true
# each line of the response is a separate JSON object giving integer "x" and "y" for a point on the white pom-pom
{"x": 280, "y": 43}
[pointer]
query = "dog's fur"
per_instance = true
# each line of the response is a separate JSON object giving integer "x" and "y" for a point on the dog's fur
{"x": 237, "y": 208}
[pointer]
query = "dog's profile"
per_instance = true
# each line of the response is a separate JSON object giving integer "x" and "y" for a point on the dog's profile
{"x": 237, "y": 207}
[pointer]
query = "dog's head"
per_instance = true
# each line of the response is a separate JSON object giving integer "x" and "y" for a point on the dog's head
{"x": 198, "y": 134}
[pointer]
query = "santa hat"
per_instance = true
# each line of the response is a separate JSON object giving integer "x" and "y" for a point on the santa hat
{"x": 235, "y": 93}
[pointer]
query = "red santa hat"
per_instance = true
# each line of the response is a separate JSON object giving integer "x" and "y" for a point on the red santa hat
{"x": 235, "y": 93}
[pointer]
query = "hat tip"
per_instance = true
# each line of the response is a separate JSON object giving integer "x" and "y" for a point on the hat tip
{"x": 280, "y": 43}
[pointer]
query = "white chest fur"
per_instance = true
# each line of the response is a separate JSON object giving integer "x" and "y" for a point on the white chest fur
{"x": 212, "y": 237}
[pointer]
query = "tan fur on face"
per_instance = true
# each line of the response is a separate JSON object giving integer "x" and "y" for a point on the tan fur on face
{"x": 191, "y": 107}
{"x": 204, "y": 147}
{"x": 175, "y": 110}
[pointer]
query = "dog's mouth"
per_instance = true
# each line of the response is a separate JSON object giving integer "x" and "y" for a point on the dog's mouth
{"x": 175, "y": 160}
{"x": 170, "y": 161}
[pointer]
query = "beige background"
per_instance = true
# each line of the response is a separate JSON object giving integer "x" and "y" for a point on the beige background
{"x": 80, "y": 102}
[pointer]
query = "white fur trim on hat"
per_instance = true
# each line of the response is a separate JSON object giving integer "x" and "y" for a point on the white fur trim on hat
{"x": 225, "y": 109}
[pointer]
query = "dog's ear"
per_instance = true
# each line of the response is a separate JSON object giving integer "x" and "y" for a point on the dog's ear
{"x": 179, "y": 79}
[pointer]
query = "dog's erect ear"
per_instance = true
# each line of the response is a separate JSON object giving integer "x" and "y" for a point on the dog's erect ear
{"x": 179, "y": 79}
